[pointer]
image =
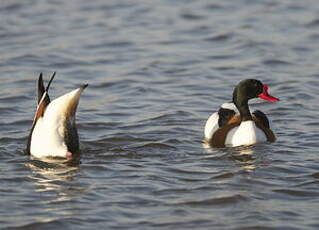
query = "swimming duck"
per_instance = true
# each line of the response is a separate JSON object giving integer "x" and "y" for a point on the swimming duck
{"x": 53, "y": 132}
{"x": 234, "y": 125}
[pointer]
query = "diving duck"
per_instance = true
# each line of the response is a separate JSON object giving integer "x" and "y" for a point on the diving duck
{"x": 53, "y": 132}
{"x": 234, "y": 125}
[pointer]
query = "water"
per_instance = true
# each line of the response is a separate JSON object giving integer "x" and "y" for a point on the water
{"x": 156, "y": 71}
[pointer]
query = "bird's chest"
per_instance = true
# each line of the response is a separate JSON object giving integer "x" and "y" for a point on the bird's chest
{"x": 247, "y": 133}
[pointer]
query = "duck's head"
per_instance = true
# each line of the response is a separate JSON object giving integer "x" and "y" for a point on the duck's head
{"x": 249, "y": 89}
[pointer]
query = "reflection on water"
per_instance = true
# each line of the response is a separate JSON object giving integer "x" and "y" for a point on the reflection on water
{"x": 54, "y": 184}
{"x": 244, "y": 155}
{"x": 55, "y": 162}
{"x": 55, "y": 177}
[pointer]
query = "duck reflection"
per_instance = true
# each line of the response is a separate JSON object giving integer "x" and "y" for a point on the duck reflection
{"x": 244, "y": 155}
{"x": 56, "y": 181}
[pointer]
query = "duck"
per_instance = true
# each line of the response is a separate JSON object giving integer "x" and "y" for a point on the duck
{"x": 234, "y": 125}
{"x": 53, "y": 132}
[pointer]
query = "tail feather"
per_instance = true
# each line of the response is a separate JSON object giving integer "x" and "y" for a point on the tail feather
{"x": 52, "y": 77}
{"x": 41, "y": 89}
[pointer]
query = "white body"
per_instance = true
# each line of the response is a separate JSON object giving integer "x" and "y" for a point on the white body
{"x": 47, "y": 138}
{"x": 247, "y": 133}
{"x": 211, "y": 126}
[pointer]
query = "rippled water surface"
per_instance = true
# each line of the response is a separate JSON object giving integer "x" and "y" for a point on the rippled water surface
{"x": 156, "y": 71}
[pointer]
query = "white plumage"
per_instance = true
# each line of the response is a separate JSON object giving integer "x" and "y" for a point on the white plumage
{"x": 247, "y": 133}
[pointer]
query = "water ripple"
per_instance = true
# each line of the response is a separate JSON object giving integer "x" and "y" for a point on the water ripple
{"x": 224, "y": 201}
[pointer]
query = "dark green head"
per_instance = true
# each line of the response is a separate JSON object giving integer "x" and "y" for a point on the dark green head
{"x": 249, "y": 89}
{"x": 246, "y": 90}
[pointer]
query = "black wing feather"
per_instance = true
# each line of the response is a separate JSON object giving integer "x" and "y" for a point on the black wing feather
{"x": 224, "y": 116}
{"x": 41, "y": 89}
{"x": 262, "y": 118}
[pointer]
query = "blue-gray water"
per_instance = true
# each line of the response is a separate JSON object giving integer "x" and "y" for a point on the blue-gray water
{"x": 157, "y": 70}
